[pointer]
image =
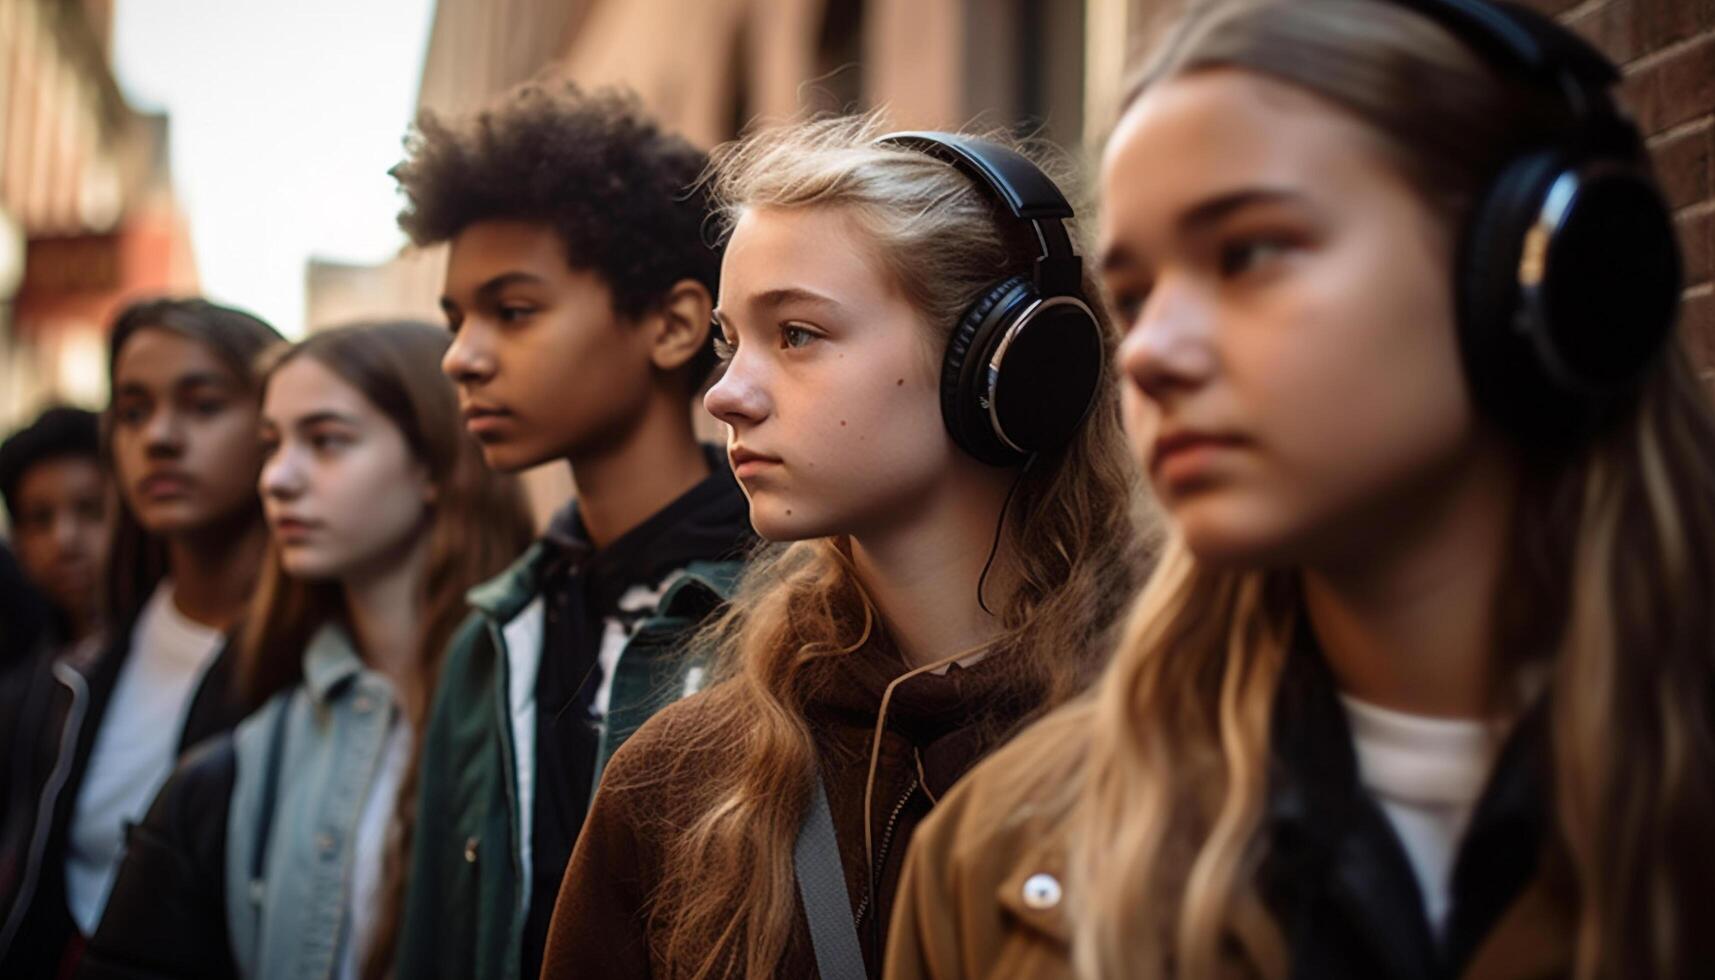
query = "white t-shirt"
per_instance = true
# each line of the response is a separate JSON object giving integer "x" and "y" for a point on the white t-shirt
{"x": 374, "y": 827}
{"x": 135, "y": 748}
{"x": 1427, "y": 774}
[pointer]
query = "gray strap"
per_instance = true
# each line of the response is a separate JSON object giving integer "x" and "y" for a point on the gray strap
{"x": 822, "y": 885}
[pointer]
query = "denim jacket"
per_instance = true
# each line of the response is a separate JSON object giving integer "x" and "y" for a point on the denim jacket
{"x": 313, "y": 751}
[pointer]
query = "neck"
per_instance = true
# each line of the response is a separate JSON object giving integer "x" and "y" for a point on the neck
{"x": 384, "y": 606}
{"x": 921, "y": 571}
{"x": 214, "y": 570}
{"x": 621, "y": 487}
{"x": 84, "y": 623}
{"x": 1410, "y": 625}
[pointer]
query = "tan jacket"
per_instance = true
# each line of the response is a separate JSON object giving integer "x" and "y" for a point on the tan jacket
{"x": 983, "y": 893}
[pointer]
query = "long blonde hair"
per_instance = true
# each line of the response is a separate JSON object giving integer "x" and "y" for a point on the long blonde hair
{"x": 1612, "y": 580}
{"x": 728, "y": 903}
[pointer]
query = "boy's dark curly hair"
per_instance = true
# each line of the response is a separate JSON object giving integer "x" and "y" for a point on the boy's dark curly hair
{"x": 625, "y": 197}
{"x": 57, "y": 433}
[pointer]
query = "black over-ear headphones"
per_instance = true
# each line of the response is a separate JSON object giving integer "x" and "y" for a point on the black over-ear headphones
{"x": 1023, "y": 363}
{"x": 1568, "y": 273}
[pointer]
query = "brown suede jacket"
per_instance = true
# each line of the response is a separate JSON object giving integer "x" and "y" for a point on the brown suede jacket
{"x": 985, "y": 893}
{"x": 943, "y": 722}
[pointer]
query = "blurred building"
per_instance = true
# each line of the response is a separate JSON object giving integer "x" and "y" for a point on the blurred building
{"x": 88, "y": 220}
{"x": 710, "y": 68}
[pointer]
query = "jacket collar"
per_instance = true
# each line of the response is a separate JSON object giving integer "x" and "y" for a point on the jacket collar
{"x": 329, "y": 661}
{"x": 504, "y": 596}
{"x": 1322, "y": 826}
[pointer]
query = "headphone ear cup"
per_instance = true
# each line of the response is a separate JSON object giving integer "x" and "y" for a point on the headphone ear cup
{"x": 1549, "y": 364}
{"x": 962, "y": 369}
{"x": 1503, "y": 367}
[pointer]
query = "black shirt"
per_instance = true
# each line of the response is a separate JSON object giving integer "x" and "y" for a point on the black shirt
{"x": 594, "y": 600}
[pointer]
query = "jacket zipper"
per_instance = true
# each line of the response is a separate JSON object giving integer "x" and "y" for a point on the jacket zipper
{"x": 509, "y": 772}
{"x": 881, "y": 853}
{"x": 79, "y": 688}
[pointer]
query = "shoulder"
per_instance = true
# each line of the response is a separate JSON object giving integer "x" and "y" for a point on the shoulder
{"x": 675, "y": 751}
{"x": 699, "y": 728}
{"x": 1013, "y": 800}
{"x": 191, "y": 808}
{"x": 469, "y": 656}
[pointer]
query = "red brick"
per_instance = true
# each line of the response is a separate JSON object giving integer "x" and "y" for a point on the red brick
{"x": 1685, "y": 164}
{"x": 1658, "y": 23}
{"x": 1695, "y": 241}
{"x": 1611, "y": 27}
{"x": 1697, "y": 330}
{"x": 1677, "y": 89}
{"x": 1551, "y": 7}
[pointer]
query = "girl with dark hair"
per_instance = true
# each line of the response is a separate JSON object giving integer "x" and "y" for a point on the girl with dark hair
{"x": 928, "y": 594}
{"x": 1423, "y": 685}
{"x": 278, "y": 850}
{"x": 180, "y": 434}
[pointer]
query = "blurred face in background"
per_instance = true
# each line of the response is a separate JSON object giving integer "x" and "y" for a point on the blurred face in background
{"x": 1294, "y": 387}
{"x": 830, "y": 393}
{"x": 344, "y": 496}
{"x": 545, "y": 367}
{"x": 62, "y": 520}
{"x": 184, "y": 434}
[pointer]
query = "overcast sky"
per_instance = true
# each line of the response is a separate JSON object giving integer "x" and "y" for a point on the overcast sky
{"x": 285, "y": 118}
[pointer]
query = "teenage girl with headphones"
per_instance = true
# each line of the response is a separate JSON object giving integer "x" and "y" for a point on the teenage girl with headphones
{"x": 1422, "y": 687}
{"x": 919, "y": 413}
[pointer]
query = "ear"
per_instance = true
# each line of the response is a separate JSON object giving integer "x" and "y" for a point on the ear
{"x": 680, "y": 330}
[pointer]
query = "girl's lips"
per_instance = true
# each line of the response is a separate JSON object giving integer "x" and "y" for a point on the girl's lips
{"x": 1185, "y": 456}
{"x": 290, "y": 529}
{"x": 746, "y": 462}
{"x": 164, "y": 486}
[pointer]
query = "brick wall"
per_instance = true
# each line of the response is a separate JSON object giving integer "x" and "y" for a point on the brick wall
{"x": 1667, "y": 51}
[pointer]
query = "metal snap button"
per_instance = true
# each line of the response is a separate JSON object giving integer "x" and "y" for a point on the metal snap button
{"x": 364, "y": 704}
{"x": 1041, "y": 891}
{"x": 324, "y": 843}
{"x": 470, "y": 851}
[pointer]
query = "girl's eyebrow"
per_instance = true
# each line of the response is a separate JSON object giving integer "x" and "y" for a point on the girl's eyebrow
{"x": 793, "y": 294}
{"x": 1203, "y": 216}
{"x": 774, "y": 298}
{"x": 318, "y": 418}
{"x": 1212, "y": 211}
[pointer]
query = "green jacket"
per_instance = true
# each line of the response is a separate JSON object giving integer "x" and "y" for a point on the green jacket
{"x": 465, "y": 908}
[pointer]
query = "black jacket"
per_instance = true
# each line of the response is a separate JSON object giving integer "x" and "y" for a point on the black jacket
{"x": 173, "y": 881}
{"x": 58, "y": 703}
{"x": 1336, "y": 876}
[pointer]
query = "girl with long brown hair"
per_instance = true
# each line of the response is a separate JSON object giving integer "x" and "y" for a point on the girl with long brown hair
{"x": 932, "y": 589}
{"x": 1422, "y": 687}
{"x": 105, "y": 722}
{"x": 270, "y": 852}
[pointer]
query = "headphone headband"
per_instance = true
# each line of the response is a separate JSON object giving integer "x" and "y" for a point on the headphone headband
{"x": 1568, "y": 266}
{"x": 1023, "y": 189}
{"x": 1533, "y": 47}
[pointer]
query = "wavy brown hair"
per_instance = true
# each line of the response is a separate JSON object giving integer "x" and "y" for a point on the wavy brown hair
{"x": 479, "y": 522}
{"x": 728, "y": 903}
{"x": 1611, "y": 574}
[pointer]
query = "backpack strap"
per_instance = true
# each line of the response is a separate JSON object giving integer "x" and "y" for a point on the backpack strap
{"x": 822, "y": 886}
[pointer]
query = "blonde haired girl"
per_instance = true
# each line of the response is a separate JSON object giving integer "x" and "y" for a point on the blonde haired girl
{"x": 849, "y": 265}
{"x": 1422, "y": 687}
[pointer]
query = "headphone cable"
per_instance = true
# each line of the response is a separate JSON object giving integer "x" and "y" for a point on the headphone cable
{"x": 994, "y": 547}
